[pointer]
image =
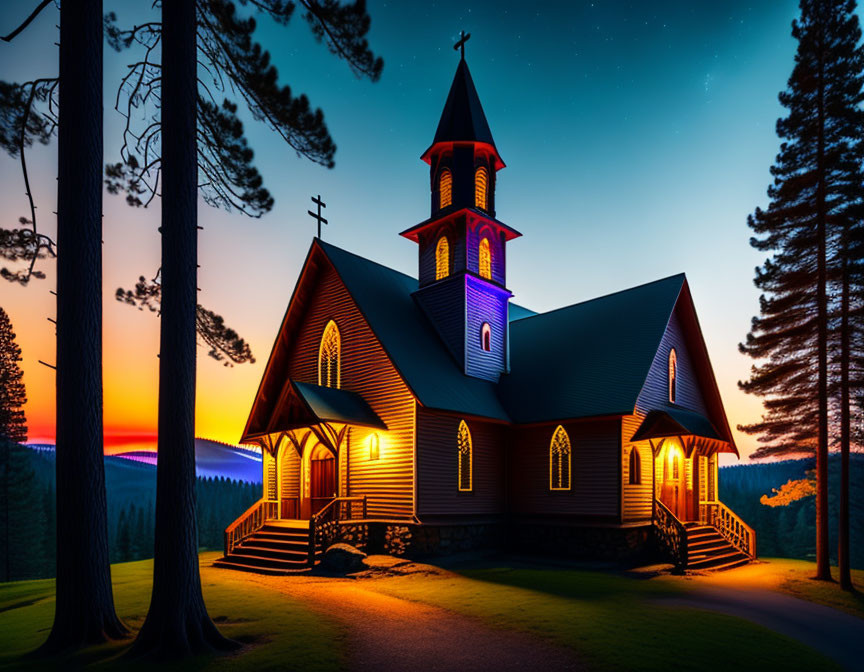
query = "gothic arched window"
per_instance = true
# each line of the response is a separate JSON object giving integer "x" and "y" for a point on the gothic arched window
{"x": 486, "y": 337}
{"x": 481, "y": 187}
{"x": 329, "y": 357}
{"x": 485, "y": 259}
{"x": 635, "y": 467}
{"x": 673, "y": 375}
{"x": 559, "y": 460}
{"x": 465, "y": 457}
{"x": 445, "y": 188}
{"x": 442, "y": 258}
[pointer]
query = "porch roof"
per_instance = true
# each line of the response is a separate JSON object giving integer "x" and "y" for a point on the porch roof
{"x": 675, "y": 422}
{"x": 328, "y": 404}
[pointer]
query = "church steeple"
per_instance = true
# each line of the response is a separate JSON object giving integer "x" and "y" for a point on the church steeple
{"x": 462, "y": 257}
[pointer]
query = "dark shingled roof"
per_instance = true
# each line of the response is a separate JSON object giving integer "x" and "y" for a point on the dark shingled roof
{"x": 463, "y": 119}
{"x": 329, "y": 404}
{"x": 675, "y": 422}
{"x": 590, "y": 359}
{"x": 384, "y": 297}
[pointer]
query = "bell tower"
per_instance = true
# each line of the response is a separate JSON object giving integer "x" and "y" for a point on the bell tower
{"x": 462, "y": 246}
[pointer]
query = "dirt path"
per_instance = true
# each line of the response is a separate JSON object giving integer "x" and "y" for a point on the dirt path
{"x": 836, "y": 634}
{"x": 386, "y": 633}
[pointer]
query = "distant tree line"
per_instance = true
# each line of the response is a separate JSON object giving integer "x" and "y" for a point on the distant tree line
{"x": 28, "y": 504}
{"x": 789, "y": 530}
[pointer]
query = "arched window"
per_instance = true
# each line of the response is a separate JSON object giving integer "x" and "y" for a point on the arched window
{"x": 635, "y": 467}
{"x": 466, "y": 458}
{"x": 329, "y": 357}
{"x": 673, "y": 375}
{"x": 485, "y": 258}
{"x": 559, "y": 460}
{"x": 445, "y": 189}
{"x": 481, "y": 187}
{"x": 374, "y": 446}
{"x": 442, "y": 258}
{"x": 486, "y": 337}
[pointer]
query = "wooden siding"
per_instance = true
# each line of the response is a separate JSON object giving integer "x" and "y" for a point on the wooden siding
{"x": 485, "y": 303}
{"x": 455, "y": 232}
{"x": 444, "y": 305}
{"x": 477, "y": 230}
{"x": 595, "y": 470}
{"x": 367, "y": 370}
{"x": 638, "y": 500}
{"x": 289, "y": 470}
{"x": 437, "y": 471}
{"x": 268, "y": 464}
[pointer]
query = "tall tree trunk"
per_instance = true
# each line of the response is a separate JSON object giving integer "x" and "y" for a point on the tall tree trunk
{"x": 845, "y": 422}
{"x": 177, "y": 623}
{"x": 84, "y": 612}
{"x": 823, "y": 567}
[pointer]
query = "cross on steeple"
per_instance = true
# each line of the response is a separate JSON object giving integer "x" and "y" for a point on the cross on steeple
{"x": 321, "y": 204}
{"x": 463, "y": 38}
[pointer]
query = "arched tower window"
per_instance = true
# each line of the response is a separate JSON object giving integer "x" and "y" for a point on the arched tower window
{"x": 442, "y": 258}
{"x": 559, "y": 460}
{"x": 466, "y": 458}
{"x": 673, "y": 375}
{"x": 485, "y": 259}
{"x": 635, "y": 467}
{"x": 329, "y": 357}
{"x": 445, "y": 188}
{"x": 486, "y": 337}
{"x": 481, "y": 188}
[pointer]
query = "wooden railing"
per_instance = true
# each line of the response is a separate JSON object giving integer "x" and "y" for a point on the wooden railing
{"x": 731, "y": 527}
{"x": 671, "y": 534}
{"x": 323, "y": 526}
{"x": 250, "y": 522}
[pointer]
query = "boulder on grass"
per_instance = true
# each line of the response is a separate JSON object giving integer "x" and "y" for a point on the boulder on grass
{"x": 343, "y": 558}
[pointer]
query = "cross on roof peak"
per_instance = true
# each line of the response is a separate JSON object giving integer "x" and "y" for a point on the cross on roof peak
{"x": 460, "y": 45}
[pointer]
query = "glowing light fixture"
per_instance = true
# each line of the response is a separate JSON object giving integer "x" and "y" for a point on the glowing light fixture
{"x": 374, "y": 446}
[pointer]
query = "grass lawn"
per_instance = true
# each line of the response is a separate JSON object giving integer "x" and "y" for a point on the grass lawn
{"x": 277, "y": 632}
{"x": 793, "y": 577}
{"x": 615, "y": 622}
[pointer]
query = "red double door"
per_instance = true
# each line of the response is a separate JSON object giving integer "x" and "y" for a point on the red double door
{"x": 323, "y": 481}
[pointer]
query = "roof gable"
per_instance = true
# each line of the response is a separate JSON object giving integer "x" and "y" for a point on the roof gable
{"x": 589, "y": 359}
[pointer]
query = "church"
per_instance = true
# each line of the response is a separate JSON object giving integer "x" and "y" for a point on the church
{"x": 430, "y": 415}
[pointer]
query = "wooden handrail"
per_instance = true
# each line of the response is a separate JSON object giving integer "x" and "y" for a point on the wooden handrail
{"x": 671, "y": 534}
{"x": 252, "y": 520}
{"x": 331, "y": 514}
{"x": 732, "y": 528}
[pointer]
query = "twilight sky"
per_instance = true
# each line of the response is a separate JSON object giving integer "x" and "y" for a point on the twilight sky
{"x": 637, "y": 136}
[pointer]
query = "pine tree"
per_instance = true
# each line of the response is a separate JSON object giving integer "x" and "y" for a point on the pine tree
{"x": 13, "y": 424}
{"x": 809, "y": 195}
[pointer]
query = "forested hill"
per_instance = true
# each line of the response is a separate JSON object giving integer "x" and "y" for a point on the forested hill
{"x": 131, "y": 492}
{"x": 789, "y": 531}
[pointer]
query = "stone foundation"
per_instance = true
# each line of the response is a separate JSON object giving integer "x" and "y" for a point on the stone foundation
{"x": 584, "y": 543}
{"x": 412, "y": 540}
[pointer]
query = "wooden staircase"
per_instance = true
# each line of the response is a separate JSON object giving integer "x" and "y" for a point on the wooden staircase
{"x": 707, "y": 549}
{"x": 279, "y": 547}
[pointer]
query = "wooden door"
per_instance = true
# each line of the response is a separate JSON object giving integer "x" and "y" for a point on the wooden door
{"x": 323, "y": 482}
{"x": 671, "y": 491}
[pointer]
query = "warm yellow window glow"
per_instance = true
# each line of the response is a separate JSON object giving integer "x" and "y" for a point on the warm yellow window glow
{"x": 481, "y": 190}
{"x": 329, "y": 356}
{"x": 374, "y": 446}
{"x": 442, "y": 258}
{"x": 445, "y": 189}
{"x": 559, "y": 460}
{"x": 673, "y": 375}
{"x": 485, "y": 255}
{"x": 466, "y": 458}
